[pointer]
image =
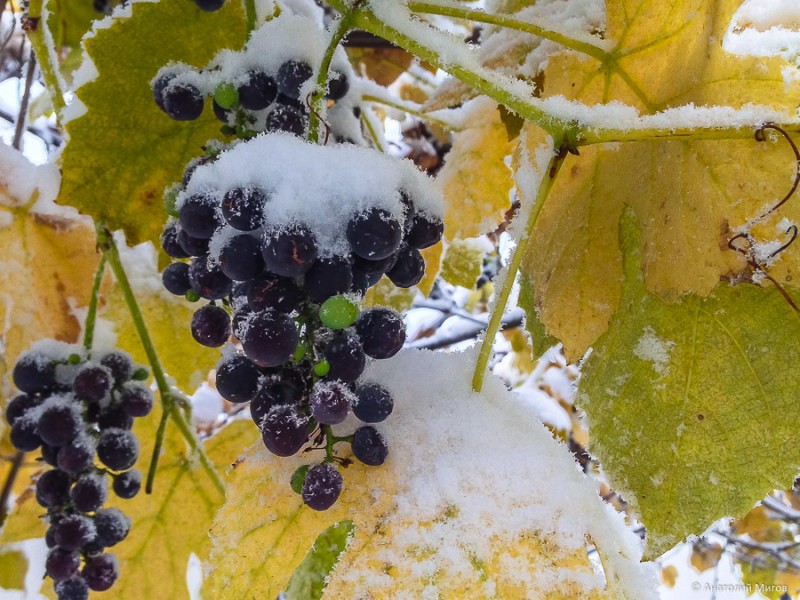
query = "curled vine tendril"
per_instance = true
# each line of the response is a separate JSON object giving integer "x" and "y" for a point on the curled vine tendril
{"x": 321, "y": 120}
{"x": 748, "y": 250}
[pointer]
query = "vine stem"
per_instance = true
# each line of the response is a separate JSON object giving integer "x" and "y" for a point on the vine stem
{"x": 509, "y": 23}
{"x": 91, "y": 313}
{"x": 8, "y": 485}
{"x": 318, "y": 98}
{"x": 549, "y": 175}
{"x": 22, "y": 114}
{"x": 106, "y": 242}
{"x": 36, "y": 28}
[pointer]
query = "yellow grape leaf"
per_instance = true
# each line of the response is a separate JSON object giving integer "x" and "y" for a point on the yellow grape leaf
{"x": 118, "y": 177}
{"x": 382, "y": 65}
{"x": 705, "y": 556}
{"x": 69, "y": 20}
{"x": 433, "y": 263}
{"x": 463, "y": 263}
{"x": 475, "y": 180}
{"x": 688, "y": 196}
{"x": 167, "y": 525}
{"x": 168, "y": 320}
{"x": 463, "y": 507}
{"x": 13, "y": 566}
{"x": 698, "y": 381}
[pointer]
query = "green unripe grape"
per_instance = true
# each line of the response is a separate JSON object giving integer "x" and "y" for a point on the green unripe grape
{"x": 140, "y": 374}
{"x": 298, "y": 478}
{"x": 192, "y": 296}
{"x": 170, "y": 197}
{"x": 338, "y": 312}
{"x": 300, "y": 352}
{"x": 322, "y": 368}
{"x": 226, "y": 95}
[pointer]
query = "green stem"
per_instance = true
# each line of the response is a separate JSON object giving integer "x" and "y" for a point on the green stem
{"x": 106, "y": 242}
{"x": 318, "y": 98}
{"x": 250, "y": 15}
{"x": 602, "y": 136}
{"x": 509, "y": 23}
{"x": 91, "y": 313}
{"x": 408, "y": 109}
{"x": 159, "y": 443}
{"x": 36, "y": 27}
{"x": 548, "y": 178}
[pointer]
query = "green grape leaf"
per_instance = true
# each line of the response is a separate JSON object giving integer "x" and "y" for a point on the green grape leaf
{"x": 69, "y": 20}
{"x": 688, "y": 195}
{"x": 124, "y": 150}
{"x": 309, "y": 579}
{"x": 168, "y": 525}
{"x": 687, "y": 401}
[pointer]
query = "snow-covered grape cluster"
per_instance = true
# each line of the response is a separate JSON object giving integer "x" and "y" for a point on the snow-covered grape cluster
{"x": 283, "y": 238}
{"x": 79, "y": 409}
{"x": 266, "y": 86}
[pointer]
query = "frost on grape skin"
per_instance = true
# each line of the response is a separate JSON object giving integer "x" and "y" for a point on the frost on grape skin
{"x": 473, "y": 479}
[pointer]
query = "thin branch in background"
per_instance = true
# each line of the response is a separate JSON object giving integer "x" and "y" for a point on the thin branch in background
{"x": 23, "y": 105}
{"x": 8, "y": 485}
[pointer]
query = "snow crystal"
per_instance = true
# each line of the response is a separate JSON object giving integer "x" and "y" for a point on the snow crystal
{"x": 653, "y": 349}
{"x": 342, "y": 181}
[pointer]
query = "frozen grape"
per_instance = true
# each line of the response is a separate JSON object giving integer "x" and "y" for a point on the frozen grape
{"x": 328, "y": 277}
{"x": 373, "y": 403}
{"x": 374, "y": 234}
{"x": 24, "y": 435}
{"x": 74, "y": 588}
{"x": 369, "y": 446}
{"x": 208, "y": 280}
{"x": 170, "y": 241}
{"x": 52, "y": 488}
{"x": 100, "y": 571}
{"x": 240, "y": 258}
{"x": 284, "y": 430}
{"x": 243, "y": 208}
{"x": 77, "y": 456}
{"x": 237, "y": 379}
{"x": 112, "y": 526}
{"x": 118, "y": 449}
{"x": 175, "y": 278}
{"x": 382, "y": 332}
{"x": 74, "y": 531}
{"x": 290, "y": 251}
{"x": 192, "y": 246}
{"x": 126, "y": 485}
{"x": 346, "y": 357}
{"x": 93, "y": 382}
{"x": 338, "y": 86}
{"x": 409, "y": 268}
{"x": 322, "y": 486}
{"x": 287, "y": 118}
{"x": 136, "y": 399}
{"x": 270, "y": 338}
{"x": 273, "y": 291}
{"x": 258, "y": 92}
{"x": 330, "y": 402}
{"x": 89, "y": 492}
{"x": 291, "y": 76}
{"x": 20, "y": 405}
{"x": 211, "y": 326}
{"x": 425, "y": 231}
{"x": 62, "y": 564}
{"x": 198, "y": 217}
{"x": 120, "y": 364}
{"x": 59, "y": 423}
{"x": 209, "y": 6}
{"x": 34, "y": 372}
{"x": 182, "y": 101}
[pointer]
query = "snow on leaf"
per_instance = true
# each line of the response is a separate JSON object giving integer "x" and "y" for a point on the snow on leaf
{"x": 689, "y": 196}
{"x": 686, "y": 401}
{"x": 475, "y": 500}
{"x": 168, "y": 525}
{"x": 475, "y": 180}
{"x": 124, "y": 150}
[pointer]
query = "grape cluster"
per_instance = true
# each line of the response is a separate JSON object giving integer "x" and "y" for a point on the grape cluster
{"x": 251, "y": 94}
{"x": 287, "y": 289}
{"x": 79, "y": 409}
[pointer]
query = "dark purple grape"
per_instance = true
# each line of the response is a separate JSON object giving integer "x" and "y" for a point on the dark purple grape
{"x": 346, "y": 357}
{"x": 59, "y": 423}
{"x": 62, "y": 564}
{"x": 287, "y": 118}
{"x": 208, "y": 280}
{"x": 24, "y": 435}
{"x": 74, "y": 531}
{"x": 271, "y": 393}
{"x": 270, "y": 338}
{"x": 289, "y": 251}
{"x": 89, "y": 493}
{"x": 192, "y": 246}
{"x": 93, "y": 382}
{"x": 159, "y": 86}
{"x": 322, "y": 486}
{"x": 118, "y": 449}
{"x": 240, "y": 258}
{"x": 120, "y": 363}
{"x": 170, "y": 241}
{"x": 50, "y": 454}
{"x": 198, "y": 217}
{"x": 330, "y": 402}
{"x": 182, "y": 101}
{"x": 114, "y": 417}
{"x": 77, "y": 456}
{"x": 382, "y": 332}
{"x": 284, "y": 430}
{"x": 363, "y": 281}
{"x": 369, "y": 446}
{"x": 273, "y": 291}
{"x": 338, "y": 86}
{"x": 208, "y": 6}
{"x": 136, "y": 399}
{"x": 52, "y": 488}
{"x": 100, "y": 572}
{"x": 211, "y": 326}
{"x": 223, "y": 114}
{"x": 34, "y": 372}
{"x": 328, "y": 277}
{"x": 409, "y": 268}
{"x": 237, "y": 379}
{"x": 74, "y": 588}
{"x": 127, "y": 485}
{"x": 291, "y": 76}
{"x": 374, "y": 234}
{"x": 112, "y": 526}
{"x": 425, "y": 231}
{"x": 373, "y": 403}
{"x": 21, "y": 404}
{"x": 243, "y": 208}
{"x": 373, "y": 267}
{"x": 258, "y": 92}
{"x": 175, "y": 278}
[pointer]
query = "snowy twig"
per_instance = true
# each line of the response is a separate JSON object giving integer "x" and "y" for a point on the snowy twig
{"x": 471, "y": 331}
{"x": 22, "y": 115}
{"x": 8, "y": 485}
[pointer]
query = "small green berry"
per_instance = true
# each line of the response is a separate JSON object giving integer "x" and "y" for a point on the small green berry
{"x": 338, "y": 312}
{"x": 192, "y": 296}
{"x": 226, "y": 95}
{"x": 322, "y": 368}
{"x": 140, "y": 374}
